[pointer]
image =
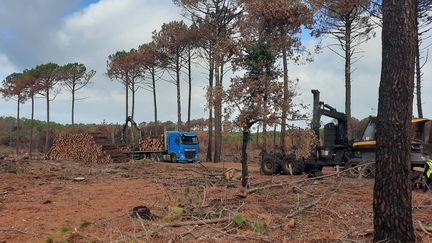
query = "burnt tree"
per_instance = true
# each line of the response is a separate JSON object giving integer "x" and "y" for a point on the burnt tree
{"x": 392, "y": 190}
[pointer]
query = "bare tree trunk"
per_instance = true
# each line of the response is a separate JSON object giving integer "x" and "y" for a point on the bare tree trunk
{"x": 18, "y": 126}
{"x": 285, "y": 98}
{"x": 211, "y": 98}
{"x": 392, "y": 191}
{"x": 178, "y": 93}
{"x": 154, "y": 96}
{"x": 31, "y": 127}
{"x": 244, "y": 158}
{"x": 218, "y": 111}
{"x": 48, "y": 130}
{"x": 127, "y": 98}
{"x": 418, "y": 71}
{"x": 190, "y": 89}
{"x": 73, "y": 101}
{"x": 258, "y": 137}
{"x": 348, "y": 76}
{"x": 133, "y": 100}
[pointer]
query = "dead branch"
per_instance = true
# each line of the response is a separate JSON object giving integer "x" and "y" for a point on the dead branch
{"x": 300, "y": 209}
{"x": 14, "y": 230}
{"x": 197, "y": 222}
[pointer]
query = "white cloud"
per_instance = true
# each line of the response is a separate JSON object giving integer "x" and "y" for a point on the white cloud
{"x": 6, "y": 66}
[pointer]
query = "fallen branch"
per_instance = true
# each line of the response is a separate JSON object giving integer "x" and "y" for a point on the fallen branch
{"x": 202, "y": 173}
{"x": 197, "y": 222}
{"x": 14, "y": 230}
{"x": 257, "y": 189}
{"x": 300, "y": 209}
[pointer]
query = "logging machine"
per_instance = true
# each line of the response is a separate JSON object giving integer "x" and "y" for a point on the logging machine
{"x": 335, "y": 149}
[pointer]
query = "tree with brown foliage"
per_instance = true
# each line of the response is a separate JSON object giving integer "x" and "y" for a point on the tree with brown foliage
{"x": 245, "y": 94}
{"x": 392, "y": 191}
{"x": 171, "y": 41}
{"x": 349, "y": 23}
{"x": 33, "y": 88}
{"x": 280, "y": 23}
{"x": 14, "y": 87}
{"x": 154, "y": 63}
{"x": 47, "y": 77}
{"x": 75, "y": 77}
{"x": 217, "y": 20}
{"x": 128, "y": 69}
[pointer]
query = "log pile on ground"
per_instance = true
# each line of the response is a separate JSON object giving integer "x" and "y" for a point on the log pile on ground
{"x": 151, "y": 144}
{"x": 91, "y": 147}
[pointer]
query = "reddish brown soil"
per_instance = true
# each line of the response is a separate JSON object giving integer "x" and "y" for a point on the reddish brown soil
{"x": 41, "y": 199}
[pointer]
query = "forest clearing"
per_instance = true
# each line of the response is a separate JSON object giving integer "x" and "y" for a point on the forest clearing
{"x": 43, "y": 202}
{"x": 215, "y": 121}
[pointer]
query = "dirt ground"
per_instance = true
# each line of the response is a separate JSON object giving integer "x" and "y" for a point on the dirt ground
{"x": 41, "y": 202}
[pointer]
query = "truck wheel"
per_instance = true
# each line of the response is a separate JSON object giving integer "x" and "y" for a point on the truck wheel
{"x": 173, "y": 158}
{"x": 292, "y": 167}
{"x": 270, "y": 165}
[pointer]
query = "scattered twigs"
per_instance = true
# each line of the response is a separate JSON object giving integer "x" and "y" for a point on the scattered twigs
{"x": 257, "y": 189}
{"x": 3, "y": 193}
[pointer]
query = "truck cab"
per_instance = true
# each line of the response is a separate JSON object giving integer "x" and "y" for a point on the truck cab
{"x": 181, "y": 146}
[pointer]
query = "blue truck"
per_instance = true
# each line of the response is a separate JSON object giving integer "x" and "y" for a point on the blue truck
{"x": 173, "y": 146}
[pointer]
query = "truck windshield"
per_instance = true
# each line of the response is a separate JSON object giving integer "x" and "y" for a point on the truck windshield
{"x": 189, "y": 140}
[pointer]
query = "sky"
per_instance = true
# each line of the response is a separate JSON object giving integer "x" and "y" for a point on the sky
{"x": 87, "y": 31}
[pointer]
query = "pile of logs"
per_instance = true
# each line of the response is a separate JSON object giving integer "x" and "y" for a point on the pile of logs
{"x": 151, "y": 144}
{"x": 125, "y": 148}
{"x": 88, "y": 147}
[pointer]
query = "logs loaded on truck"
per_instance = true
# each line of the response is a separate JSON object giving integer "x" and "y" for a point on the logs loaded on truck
{"x": 337, "y": 151}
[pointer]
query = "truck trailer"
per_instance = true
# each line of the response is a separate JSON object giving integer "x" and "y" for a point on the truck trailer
{"x": 172, "y": 146}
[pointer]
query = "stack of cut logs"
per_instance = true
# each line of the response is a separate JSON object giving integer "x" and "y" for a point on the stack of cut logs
{"x": 151, "y": 144}
{"x": 91, "y": 147}
{"x": 125, "y": 148}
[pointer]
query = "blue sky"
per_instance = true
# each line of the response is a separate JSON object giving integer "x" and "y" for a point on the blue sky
{"x": 87, "y": 31}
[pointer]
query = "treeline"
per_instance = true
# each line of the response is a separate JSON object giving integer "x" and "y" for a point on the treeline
{"x": 249, "y": 38}
{"x": 42, "y": 81}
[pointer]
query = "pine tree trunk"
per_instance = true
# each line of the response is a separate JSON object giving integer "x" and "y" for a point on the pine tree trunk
{"x": 209, "y": 156}
{"x": 244, "y": 157}
{"x": 218, "y": 110}
{"x": 348, "y": 29}
{"x": 73, "y": 102}
{"x": 48, "y": 130}
{"x": 154, "y": 96}
{"x": 133, "y": 100}
{"x": 285, "y": 98}
{"x": 127, "y": 98}
{"x": 418, "y": 72}
{"x": 190, "y": 89}
{"x": 392, "y": 191}
{"x": 18, "y": 126}
{"x": 31, "y": 127}
{"x": 178, "y": 92}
